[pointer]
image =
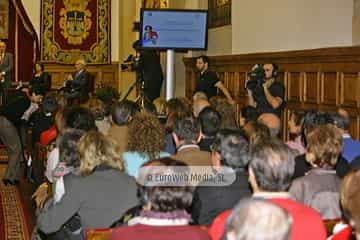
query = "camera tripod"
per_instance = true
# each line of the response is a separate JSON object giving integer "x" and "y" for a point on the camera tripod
{"x": 142, "y": 99}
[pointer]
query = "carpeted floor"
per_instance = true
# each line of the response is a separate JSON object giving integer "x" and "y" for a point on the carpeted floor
{"x": 15, "y": 221}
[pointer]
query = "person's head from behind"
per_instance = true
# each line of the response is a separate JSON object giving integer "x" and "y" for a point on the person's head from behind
{"x": 231, "y": 149}
{"x": 146, "y": 135}
{"x": 148, "y": 28}
{"x": 49, "y": 106}
{"x": 314, "y": 118}
{"x": 272, "y": 122}
{"x": 36, "y": 95}
{"x": 342, "y": 120}
{"x": 247, "y": 114}
{"x": 175, "y": 105}
{"x": 202, "y": 63}
{"x": 210, "y": 121}
{"x": 95, "y": 150}
{"x": 258, "y": 219}
{"x": 199, "y": 105}
{"x": 186, "y": 130}
{"x": 167, "y": 196}
{"x": 97, "y": 108}
{"x": 80, "y": 118}
{"x": 122, "y": 112}
{"x": 256, "y": 132}
{"x": 350, "y": 199}
{"x": 324, "y": 145}
{"x": 226, "y": 111}
{"x": 271, "y": 167}
{"x": 68, "y": 149}
{"x": 200, "y": 95}
{"x": 296, "y": 121}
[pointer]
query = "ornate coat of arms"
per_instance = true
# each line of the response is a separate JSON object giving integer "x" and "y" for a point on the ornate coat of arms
{"x": 75, "y": 21}
{"x": 72, "y": 29}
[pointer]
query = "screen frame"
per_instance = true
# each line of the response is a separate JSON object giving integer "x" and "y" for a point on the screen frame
{"x": 173, "y": 10}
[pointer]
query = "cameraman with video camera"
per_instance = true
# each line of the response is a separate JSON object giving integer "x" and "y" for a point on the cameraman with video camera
{"x": 265, "y": 93}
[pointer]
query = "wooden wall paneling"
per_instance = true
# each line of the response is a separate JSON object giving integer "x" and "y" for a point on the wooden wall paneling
{"x": 349, "y": 89}
{"x": 311, "y": 88}
{"x": 294, "y": 87}
{"x": 329, "y": 88}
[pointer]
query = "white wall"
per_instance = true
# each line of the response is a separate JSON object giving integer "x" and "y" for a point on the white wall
{"x": 276, "y": 25}
{"x": 32, "y": 8}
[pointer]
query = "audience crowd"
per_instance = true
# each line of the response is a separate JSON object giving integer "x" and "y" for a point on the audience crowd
{"x": 261, "y": 187}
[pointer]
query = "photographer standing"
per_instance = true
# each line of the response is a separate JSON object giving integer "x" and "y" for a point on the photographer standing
{"x": 264, "y": 91}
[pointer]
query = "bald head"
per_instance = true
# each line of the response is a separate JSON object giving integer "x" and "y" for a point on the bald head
{"x": 343, "y": 113}
{"x": 272, "y": 122}
{"x": 199, "y": 105}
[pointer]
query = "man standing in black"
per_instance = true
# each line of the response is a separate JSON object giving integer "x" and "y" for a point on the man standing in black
{"x": 209, "y": 82}
{"x": 10, "y": 118}
{"x": 268, "y": 97}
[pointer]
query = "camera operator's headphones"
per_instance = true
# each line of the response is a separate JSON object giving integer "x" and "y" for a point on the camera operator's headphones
{"x": 275, "y": 70}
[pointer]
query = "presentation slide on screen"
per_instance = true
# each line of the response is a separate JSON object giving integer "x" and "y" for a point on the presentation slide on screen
{"x": 162, "y": 29}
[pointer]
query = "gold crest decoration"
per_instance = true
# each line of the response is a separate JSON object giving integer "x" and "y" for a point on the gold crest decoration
{"x": 75, "y": 21}
{"x": 72, "y": 29}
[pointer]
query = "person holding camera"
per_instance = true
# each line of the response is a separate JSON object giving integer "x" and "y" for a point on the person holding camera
{"x": 209, "y": 82}
{"x": 266, "y": 93}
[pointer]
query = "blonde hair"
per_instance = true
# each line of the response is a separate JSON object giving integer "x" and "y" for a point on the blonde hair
{"x": 95, "y": 149}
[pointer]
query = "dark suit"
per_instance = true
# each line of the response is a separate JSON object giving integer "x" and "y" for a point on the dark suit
{"x": 42, "y": 82}
{"x": 6, "y": 65}
{"x": 10, "y": 118}
{"x": 79, "y": 86}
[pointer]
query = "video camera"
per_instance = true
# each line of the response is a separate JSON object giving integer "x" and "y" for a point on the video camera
{"x": 257, "y": 77}
{"x": 132, "y": 63}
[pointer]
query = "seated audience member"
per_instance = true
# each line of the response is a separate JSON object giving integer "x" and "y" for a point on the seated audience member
{"x": 350, "y": 199}
{"x": 69, "y": 162}
{"x": 272, "y": 121}
{"x": 295, "y": 129}
{"x": 100, "y": 192}
{"x": 229, "y": 149}
{"x": 120, "y": 117}
{"x": 226, "y": 110}
{"x": 210, "y": 121}
{"x": 199, "y": 105}
{"x": 170, "y": 146}
{"x": 270, "y": 173}
{"x": 45, "y": 119}
{"x": 145, "y": 141}
{"x": 312, "y": 120}
{"x": 319, "y": 188}
{"x": 172, "y": 107}
{"x": 186, "y": 135}
{"x": 258, "y": 219}
{"x": 247, "y": 114}
{"x": 351, "y": 147}
{"x": 164, "y": 213}
{"x": 74, "y": 118}
{"x": 97, "y": 108}
{"x": 10, "y": 119}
